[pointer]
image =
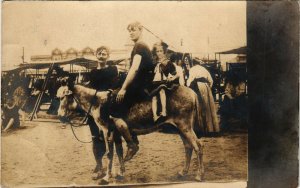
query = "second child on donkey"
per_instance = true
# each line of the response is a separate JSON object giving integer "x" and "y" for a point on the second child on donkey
{"x": 164, "y": 79}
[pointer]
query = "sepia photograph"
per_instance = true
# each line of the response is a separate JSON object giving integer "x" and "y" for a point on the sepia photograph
{"x": 122, "y": 93}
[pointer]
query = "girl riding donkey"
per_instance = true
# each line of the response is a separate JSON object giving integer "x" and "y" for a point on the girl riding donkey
{"x": 165, "y": 78}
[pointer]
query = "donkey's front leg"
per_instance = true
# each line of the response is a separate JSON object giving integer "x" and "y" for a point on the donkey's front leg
{"x": 109, "y": 150}
{"x": 109, "y": 153}
{"x": 119, "y": 150}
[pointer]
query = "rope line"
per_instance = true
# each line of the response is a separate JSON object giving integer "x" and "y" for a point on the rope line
{"x": 85, "y": 142}
{"x": 157, "y": 36}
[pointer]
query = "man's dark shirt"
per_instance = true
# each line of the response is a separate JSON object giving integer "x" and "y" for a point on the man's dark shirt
{"x": 145, "y": 71}
{"x": 104, "y": 78}
{"x": 143, "y": 79}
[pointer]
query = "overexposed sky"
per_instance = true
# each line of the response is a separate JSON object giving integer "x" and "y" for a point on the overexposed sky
{"x": 39, "y": 27}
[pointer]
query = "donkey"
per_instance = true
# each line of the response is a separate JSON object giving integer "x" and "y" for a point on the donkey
{"x": 183, "y": 109}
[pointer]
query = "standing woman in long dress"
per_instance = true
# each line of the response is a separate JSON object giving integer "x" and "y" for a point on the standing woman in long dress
{"x": 201, "y": 82}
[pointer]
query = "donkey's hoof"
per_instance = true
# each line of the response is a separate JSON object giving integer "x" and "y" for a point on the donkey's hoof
{"x": 119, "y": 177}
{"x": 103, "y": 182}
{"x": 199, "y": 178}
{"x": 181, "y": 174}
{"x": 97, "y": 168}
{"x": 99, "y": 175}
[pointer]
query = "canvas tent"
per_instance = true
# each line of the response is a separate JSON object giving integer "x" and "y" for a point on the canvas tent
{"x": 241, "y": 50}
{"x": 49, "y": 67}
{"x": 84, "y": 62}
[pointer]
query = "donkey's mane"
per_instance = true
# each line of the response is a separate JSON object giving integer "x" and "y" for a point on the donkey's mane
{"x": 86, "y": 94}
{"x": 79, "y": 88}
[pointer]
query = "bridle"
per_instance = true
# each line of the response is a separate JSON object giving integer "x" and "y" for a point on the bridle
{"x": 89, "y": 110}
{"x": 85, "y": 118}
{"x": 94, "y": 98}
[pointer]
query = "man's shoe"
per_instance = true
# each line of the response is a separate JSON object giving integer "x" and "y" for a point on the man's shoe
{"x": 131, "y": 151}
{"x": 160, "y": 120}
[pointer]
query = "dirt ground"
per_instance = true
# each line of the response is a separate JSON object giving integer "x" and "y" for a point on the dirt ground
{"x": 43, "y": 154}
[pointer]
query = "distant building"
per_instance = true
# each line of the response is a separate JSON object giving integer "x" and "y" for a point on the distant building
{"x": 71, "y": 53}
{"x": 86, "y": 52}
{"x": 38, "y": 58}
{"x": 56, "y": 54}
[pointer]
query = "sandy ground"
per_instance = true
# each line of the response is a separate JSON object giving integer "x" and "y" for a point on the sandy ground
{"x": 43, "y": 154}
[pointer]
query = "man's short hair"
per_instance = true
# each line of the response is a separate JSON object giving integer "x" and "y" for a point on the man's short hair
{"x": 135, "y": 25}
{"x": 101, "y": 48}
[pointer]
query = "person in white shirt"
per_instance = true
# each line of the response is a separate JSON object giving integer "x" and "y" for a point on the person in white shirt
{"x": 201, "y": 82}
{"x": 199, "y": 72}
{"x": 179, "y": 71}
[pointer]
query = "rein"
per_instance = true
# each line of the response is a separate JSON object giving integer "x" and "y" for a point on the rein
{"x": 72, "y": 125}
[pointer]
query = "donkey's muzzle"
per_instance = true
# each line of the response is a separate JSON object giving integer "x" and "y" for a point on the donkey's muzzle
{"x": 63, "y": 119}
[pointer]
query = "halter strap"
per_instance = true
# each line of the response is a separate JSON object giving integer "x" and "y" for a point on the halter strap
{"x": 90, "y": 108}
{"x": 87, "y": 113}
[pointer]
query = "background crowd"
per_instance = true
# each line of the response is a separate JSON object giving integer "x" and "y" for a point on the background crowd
{"x": 20, "y": 92}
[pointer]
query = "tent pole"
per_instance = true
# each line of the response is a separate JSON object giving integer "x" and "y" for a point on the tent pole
{"x": 38, "y": 101}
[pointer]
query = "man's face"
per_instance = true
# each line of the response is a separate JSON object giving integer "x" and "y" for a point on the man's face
{"x": 102, "y": 55}
{"x": 134, "y": 33}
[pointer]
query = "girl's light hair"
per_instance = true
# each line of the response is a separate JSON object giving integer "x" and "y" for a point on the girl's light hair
{"x": 162, "y": 44}
{"x": 164, "y": 47}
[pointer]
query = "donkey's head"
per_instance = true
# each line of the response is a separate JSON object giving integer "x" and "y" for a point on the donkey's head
{"x": 67, "y": 102}
{"x": 81, "y": 97}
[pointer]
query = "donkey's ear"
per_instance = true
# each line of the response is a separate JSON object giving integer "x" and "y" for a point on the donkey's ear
{"x": 69, "y": 92}
{"x": 60, "y": 93}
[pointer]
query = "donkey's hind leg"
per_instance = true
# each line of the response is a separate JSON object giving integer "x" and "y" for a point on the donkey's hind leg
{"x": 188, "y": 155}
{"x": 201, "y": 147}
{"x": 192, "y": 139}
